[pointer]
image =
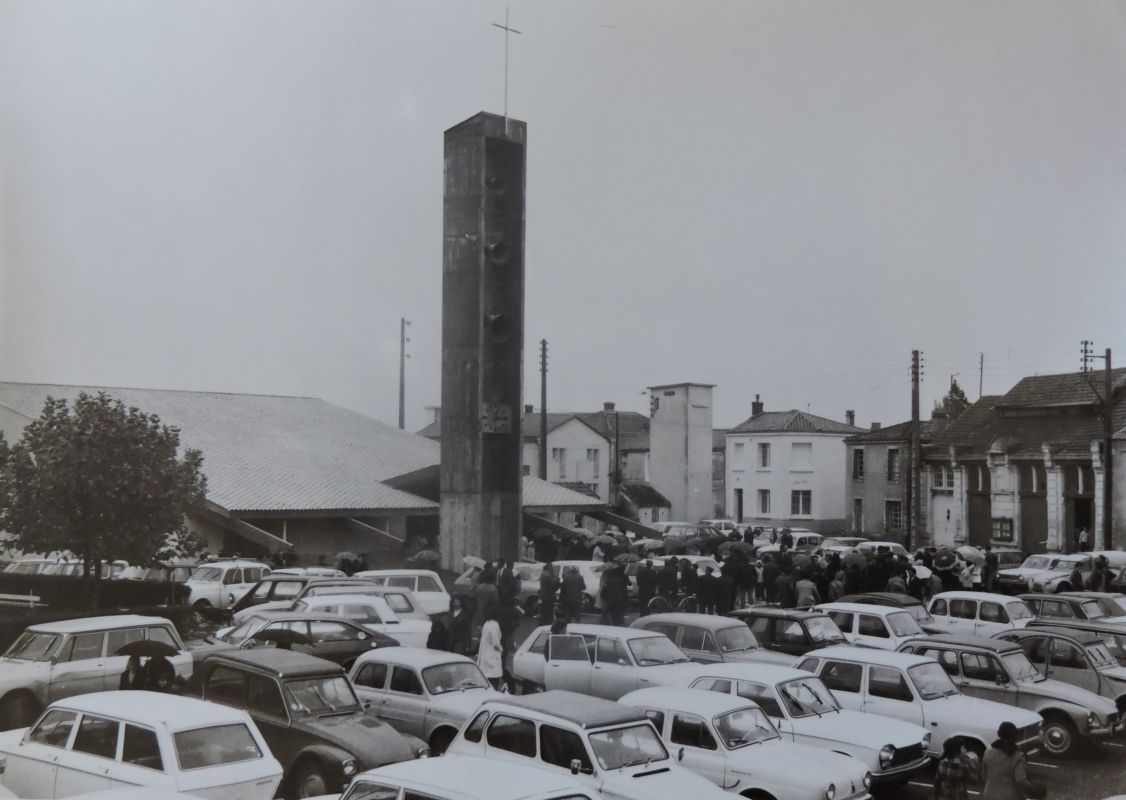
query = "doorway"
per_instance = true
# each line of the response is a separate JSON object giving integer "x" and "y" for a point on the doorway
{"x": 739, "y": 505}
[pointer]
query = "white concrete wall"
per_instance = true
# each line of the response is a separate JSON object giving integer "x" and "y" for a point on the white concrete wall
{"x": 575, "y": 438}
{"x": 680, "y": 450}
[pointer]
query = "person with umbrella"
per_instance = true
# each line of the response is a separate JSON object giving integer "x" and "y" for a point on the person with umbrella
{"x": 549, "y": 586}
{"x": 706, "y": 589}
{"x": 571, "y": 595}
{"x": 614, "y": 593}
{"x": 990, "y": 569}
{"x": 666, "y": 579}
{"x": 646, "y": 586}
{"x": 770, "y": 573}
{"x": 157, "y": 674}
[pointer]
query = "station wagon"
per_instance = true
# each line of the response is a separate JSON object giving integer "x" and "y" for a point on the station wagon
{"x": 703, "y": 637}
{"x": 977, "y": 613}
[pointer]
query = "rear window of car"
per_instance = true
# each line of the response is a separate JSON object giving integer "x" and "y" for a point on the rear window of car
{"x": 428, "y": 584}
{"x": 215, "y": 746}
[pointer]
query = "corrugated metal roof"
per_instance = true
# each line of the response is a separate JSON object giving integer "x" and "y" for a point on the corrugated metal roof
{"x": 1070, "y": 388}
{"x": 538, "y": 493}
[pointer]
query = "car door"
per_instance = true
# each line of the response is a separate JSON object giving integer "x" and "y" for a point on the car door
{"x": 568, "y": 664}
{"x": 992, "y": 618}
{"x": 845, "y": 679}
{"x": 844, "y": 620}
{"x": 337, "y": 641}
{"x": 86, "y": 766}
{"x": 266, "y": 706}
{"x": 81, "y": 666}
{"x": 32, "y": 765}
{"x": 983, "y": 677}
{"x": 614, "y": 673}
{"x": 405, "y": 701}
{"x": 790, "y": 637}
{"x": 115, "y": 664}
{"x": 1068, "y": 663}
{"x": 140, "y": 762}
{"x": 889, "y": 694}
{"x": 872, "y": 631}
{"x": 963, "y": 616}
{"x": 695, "y": 747}
{"x": 1056, "y": 609}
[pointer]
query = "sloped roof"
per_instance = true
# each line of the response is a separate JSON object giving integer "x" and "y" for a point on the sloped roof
{"x": 644, "y": 495}
{"x": 1066, "y": 389}
{"x": 530, "y": 424}
{"x": 538, "y": 493}
{"x": 793, "y": 421}
{"x": 629, "y": 423}
{"x": 899, "y": 432}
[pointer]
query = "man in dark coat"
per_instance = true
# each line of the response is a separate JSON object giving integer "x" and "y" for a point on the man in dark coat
{"x": 507, "y": 583}
{"x": 706, "y": 587}
{"x": 687, "y": 577}
{"x": 770, "y": 573}
{"x": 725, "y": 590}
{"x": 646, "y": 586}
{"x": 784, "y": 590}
{"x": 549, "y": 585}
{"x": 614, "y": 595}
{"x": 666, "y": 580}
{"x": 571, "y": 595}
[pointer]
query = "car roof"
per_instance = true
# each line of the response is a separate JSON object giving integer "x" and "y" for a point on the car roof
{"x": 860, "y": 608}
{"x": 870, "y": 655}
{"x": 173, "y": 712}
{"x": 774, "y": 611}
{"x": 419, "y": 657}
{"x": 709, "y": 621}
{"x": 960, "y": 640}
{"x": 380, "y": 573}
{"x": 342, "y": 597}
{"x": 277, "y": 662}
{"x": 1049, "y": 596}
{"x": 605, "y": 630}
{"x": 473, "y": 776}
{"x": 84, "y": 624}
{"x": 898, "y": 598}
{"x": 1081, "y": 636}
{"x": 1091, "y": 595}
{"x": 967, "y": 594}
{"x": 232, "y": 562}
{"x": 578, "y": 709}
{"x": 697, "y": 701}
{"x": 769, "y": 673}
{"x": 1090, "y": 624}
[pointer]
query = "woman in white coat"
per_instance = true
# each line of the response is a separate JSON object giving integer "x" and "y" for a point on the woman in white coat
{"x": 489, "y": 652}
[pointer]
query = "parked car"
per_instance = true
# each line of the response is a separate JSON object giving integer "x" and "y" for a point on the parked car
{"x": 805, "y": 541}
{"x": 999, "y": 670}
{"x": 804, "y": 711}
{"x": 308, "y": 713}
{"x": 732, "y": 743}
{"x": 1068, "y": 606}
{"x": 1073, "y": 656}
{"x": 763, "y": 535}
{"x": 843, "y": 541}
{"x": 916, "y": 689}
{"x": 465, "y": 778}
{"x": 428, "y": 694}
{"x": 53, "y": 660}
{"x": 786, "y": 633}
{"x": 222, "y": 583}
{"x": 371, "y": 611}
{"x": 872, "y": 626}
{"x": 402, "y": 601}
{"x": 724, "y": 526}
{"x": 321, "y": 635}
{"x": 599, "y": 660}
{"x": 167, "y": 743}
{"x": 871, "y": 549}
{"x": 611, "y": 748}
{"x": 278, "y": 589}
{"x": 1113, "y": 604}
{"x": 683, "y": 531}
{"x": 1051, "y": 572}
{"x": 703, "y": 637}
{"x": 912, "y": 605}
{"x": 1111, "y": 633}
{"x": 977, "y": 613}
{"x": 425, "y": 584}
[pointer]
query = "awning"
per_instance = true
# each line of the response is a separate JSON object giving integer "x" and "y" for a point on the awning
{"x": 533, "y": 521}
{"x": 625, "y": 523}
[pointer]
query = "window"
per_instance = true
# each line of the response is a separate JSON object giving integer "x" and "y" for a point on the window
{"x": 568, "y": 648}
{"x": 159, "y": 633}
{"x": 764, "y": 456}
{"x": 141, "y": 748}
{"x": 843, "y": 620}
{"x": 893, "y": 515}
{"x": 366, "y": 790}
{"x": 428, "y": 584}
{"x": 1067, "y": 656}
{"x": 252, "y": 575}
{"x": 841, "y": 676}
{"x": 977, "y": 667}
{"x": 96, "y": 736}
{"x": 938, "y": 607}
{"x": 737, "y": 455}
{"x": 404, "y": 679}
{"x": 657, "y": 718}
{"x": 763, "y": 629}
{"x": 82, "y": 646}
{"x": 473, "y": 732}
{"x": 539, "y": 646}
{"x": 227, "y": 686}
{"x": 764, "y": 502}
{"x": 993, "y": 612}
{"x": 215, "y": 746}
{"x": 963, "y": 609}
{"x": 696, "y": 639}
{"x": 514, "y": 735}
{"x": 54, "y": 729}
{"x": 801, "y": 502}
{"x": 559, "y": 455}
{"x": 801, "y": 456}
{"x": 560, "y": 748}
{"x": 721, "y": 685}
{"x": 232, "y": 576}
{"x": 1036, "y": 649}
{"x": 790, "y": 633}
{"x": 264, "y": 695}
{"x": 692, "y": 731}
{"x": 525, "y": 469}
{"x": 889, "y": 684}
{"x": 761, "y": 694}
{"x": 947, "y": 658}
{"x": 1003, "y": 529}
{"x": 858, "y": 464}
{"x": 372, "y": 676}
{"x": 872, "y": 625}
{"x": 120, "y": 638}
{"x": 937, "y": 478}
{"x": 592, "y": 457}
{"x": 610, "y": 651}
{"x": 893, "y": 464}
{"x": 325, "y": 631}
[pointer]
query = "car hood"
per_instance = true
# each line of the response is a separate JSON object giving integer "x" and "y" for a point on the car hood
{"x": 660, "y": 781}
{"x": 865, "y": 730}
{"x": 370, "y": 740}
{"x": 1058, "y": 690}
{"x": 1117, "y": 674}
{"x": 14, "y": 670}
{"x": 798, "y": 766}
{"x": 961, "y": 709}
{"x": 462, "y": 703}
{"x": 1026, "y": 573}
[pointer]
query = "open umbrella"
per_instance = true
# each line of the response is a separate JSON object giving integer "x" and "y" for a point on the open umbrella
{"x": 921, "y": 572}
{"x": 539, "y": 533}
{"x": 971, "y": 554}
{"x": 627, "y": 558}
{"x": 423, "y": 556}
{"x": 473, "y": 562}
{"x": 674, "y": 546}
{"x": 147, "y": 648}
{"x": 854, "y": 557}
{"x": 282, "y": 637}
{"x": 735, "y": 547}
{"x": 604, "y": 539}
{"x": 945, "y": 560}
{"x": 347, "y": 556}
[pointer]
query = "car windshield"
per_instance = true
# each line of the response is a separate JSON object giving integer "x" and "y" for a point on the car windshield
{"x": 743, "y": 727}
{"x": 920, "y": 613}
{"x": 1020, "y": 668}
{"x": 336, "y": 588}
{"x": 805, "y": 697}
{"x": 652, "y": 651}
{"x": 903, "y": 624}
{"x": 32, "y": 646}
{"x": 1113, "y": 605}
{"x": 215, "y": 746}
{"x": 736, "y": 639}
{"x": 321, "y": 695}
{"x": 243, "y": 631}
{"x": 399, "y": 603}
{"x": 823, "y": 629}
{"x": 453, "y": 677}
{"x": 627, "y": 747}
{"x": 931, "y": 681}
{"x": 1036, "y": 562}
{"x": 1018, "y": 610}
{"x": 1100, "y": 656}
{"x": 1093, "y": 609}
{"x": 208, "y": 574}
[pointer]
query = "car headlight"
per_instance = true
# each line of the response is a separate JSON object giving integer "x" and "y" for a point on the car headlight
{"x": 1092, "y": 719}
{"x": 830, "y": 792}
{"x": 349, "y": 767}
{"x": 230, "y": 597}
{"x": 887, "y": 753}
{"x": 867, "y": 780}
{"x": 926, "y": 741}
{"x": 422, "y": 752}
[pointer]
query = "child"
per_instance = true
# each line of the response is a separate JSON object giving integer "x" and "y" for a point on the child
{"x": 954, "y": 775}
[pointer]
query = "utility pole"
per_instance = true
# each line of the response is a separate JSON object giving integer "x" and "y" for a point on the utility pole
{"x": 980, "y": 373}
{"x": 403, "y": 323}
{"x": 1108, "y": 458}
{"x": 914, "y": 487}
{"x": 543, "y": 409}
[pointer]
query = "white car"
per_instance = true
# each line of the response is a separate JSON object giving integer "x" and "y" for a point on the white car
{"x": 871, "y": 548}
{"x": 865, "y": 625}
{"x": 611, "y": 748}
{"x": 978, "y": 613}
{"x": 463, "y": 778}
{"x": 424, "y": 693}
{"x": 804, "y": 710}
{"x": 600, "y": 660}
{"x": 916, "y": 689}
{"x": 222, "y": 583}
{"x": 53, "y": 660}
{"x": 120, "y": 739}
{"x": 402, "y": 601}
{"x": 372, "y": 612}
{"x": 1044, "y": 572}
{"x": 425, "y": 584}
{"x": 732, "y": 743}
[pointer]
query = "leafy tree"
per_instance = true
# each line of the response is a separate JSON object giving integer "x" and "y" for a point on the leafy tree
{"x": 101, "y": 481}
{"x": 955, "y": 401}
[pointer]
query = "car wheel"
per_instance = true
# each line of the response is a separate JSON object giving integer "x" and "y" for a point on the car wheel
{"x": 1063, "y": 587}
{"x": 309, "y": 779}
{"x": 588, "y": 604}
{"x": 1059, "y": 735}
{"x": 758, "y": 794}
{"x": 201, "y": 605}
{"x": 18, "y": 711}
{"x": 440, "y": 740}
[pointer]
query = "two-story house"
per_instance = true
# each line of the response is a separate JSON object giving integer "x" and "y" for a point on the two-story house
{"x": 784, "y": 468}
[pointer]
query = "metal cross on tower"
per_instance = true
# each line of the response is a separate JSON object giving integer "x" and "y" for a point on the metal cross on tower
{"x": 507, "y": 30}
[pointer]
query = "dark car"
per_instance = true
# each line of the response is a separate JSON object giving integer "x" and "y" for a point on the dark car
{"x": 324, "y": 636}
{"x": 912, "y": 605}
{"x": 1073, "y": 656}
{"x": 785, "y": 633}
{"x": 1113, "y": 603}
{"x": 1113, "y": 634}
{"x": 308, "y": 713}
{"x": 1065, "y": 605}
{"x": 284, "y": 587}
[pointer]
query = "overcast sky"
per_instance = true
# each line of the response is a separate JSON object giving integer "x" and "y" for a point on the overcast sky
{"x": 780, "y": 198}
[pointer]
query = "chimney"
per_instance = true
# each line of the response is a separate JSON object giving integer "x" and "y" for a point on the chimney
{"x": 608, "y": 407}
{"x": 875, "y": 426}
{"x": 756, "y": 407}
{"x": 528, "y": 409}
{"x": 850, "y": 417}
